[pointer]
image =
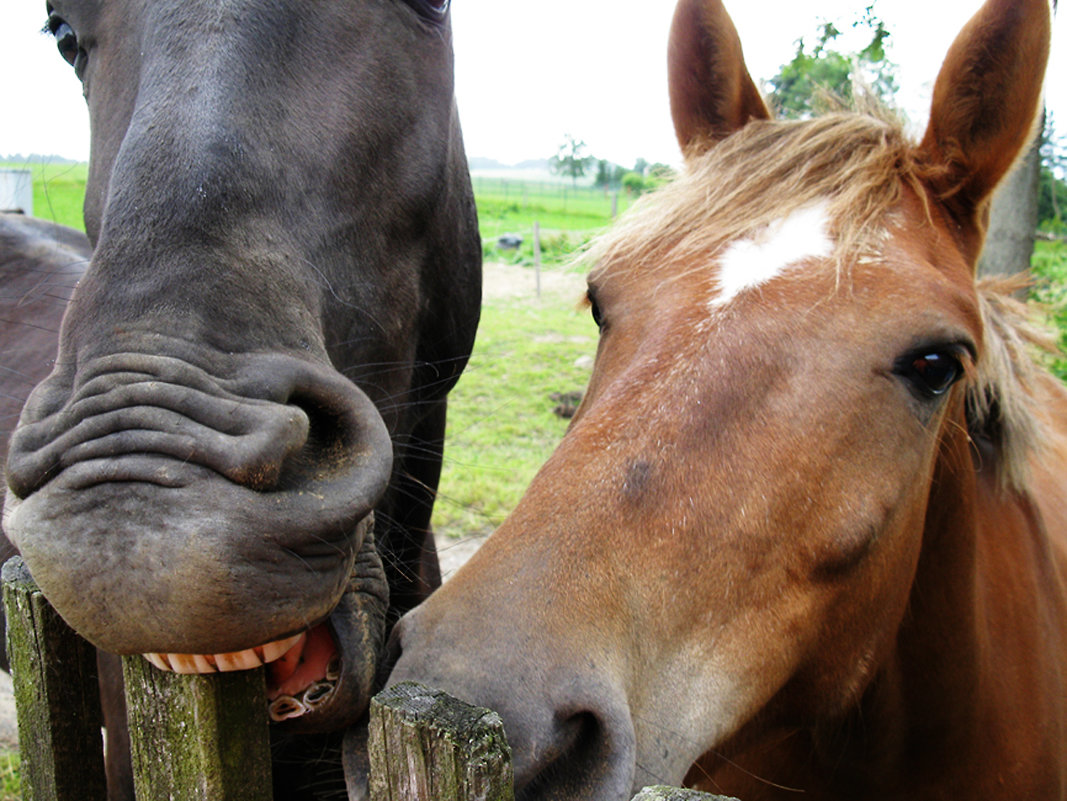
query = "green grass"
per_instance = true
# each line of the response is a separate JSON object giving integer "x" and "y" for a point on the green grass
{"x": 501, "y": 424}
{"x": 1049, "y": 266}
{"x": 568, "y": 217}
{"x": 58, "y": 191}
{"x": 10, "y": 784}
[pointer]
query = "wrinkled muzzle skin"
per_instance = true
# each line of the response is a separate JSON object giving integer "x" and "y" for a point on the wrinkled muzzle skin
{"x": 187, "y": 495}
{"x": 240, "y": 440}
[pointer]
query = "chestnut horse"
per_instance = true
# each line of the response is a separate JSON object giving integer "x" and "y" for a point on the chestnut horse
{"x": 806, "y": 532}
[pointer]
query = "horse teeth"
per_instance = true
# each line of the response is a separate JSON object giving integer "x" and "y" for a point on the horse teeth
{"x": 204, "y": 664}
{"x": 317, "y": 693}
{"x": 333, "y": 670}
{"x": 238, "y": 660}
{"x": 182, "y": 663}
{"x": 275, "y": 650}
{"x": 248, "y": 659}
{"x": 285, "y": 706}
{"x": 159, "y": 660}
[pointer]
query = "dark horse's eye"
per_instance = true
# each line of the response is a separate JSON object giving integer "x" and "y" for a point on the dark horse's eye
{"x": 435, "y": 10}
{"x": 933, "y": 373}
{"x": 66, "y": 42}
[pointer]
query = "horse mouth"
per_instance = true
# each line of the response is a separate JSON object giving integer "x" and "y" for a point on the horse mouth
{"x": 302, "y": 670}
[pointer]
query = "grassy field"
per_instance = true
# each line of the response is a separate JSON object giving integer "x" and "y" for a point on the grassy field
{"x": 58, "y": 191}
{"x": 501, "y": 424}
{"x": 10, "y": 786}
{"x": 567, "y": 216}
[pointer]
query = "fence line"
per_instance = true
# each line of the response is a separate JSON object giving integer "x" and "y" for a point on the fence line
{"x": 205, "y": 738}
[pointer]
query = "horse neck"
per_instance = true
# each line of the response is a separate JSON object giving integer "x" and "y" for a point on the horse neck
{"x": 980, "y": 652}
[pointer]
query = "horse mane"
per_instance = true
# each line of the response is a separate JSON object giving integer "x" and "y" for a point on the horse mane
{"x": 859, "y": 164}
{"x": 1003, "y": 398}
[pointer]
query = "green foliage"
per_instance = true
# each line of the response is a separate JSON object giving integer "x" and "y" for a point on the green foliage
{"x": 1052, "y": 190}
{"x": 608, "y": 175}
{"x": 1049, "y": 269}
{"x": 822, "y": 77}
{"x": 633, "y": 183}
{"x": 569, "y": 160}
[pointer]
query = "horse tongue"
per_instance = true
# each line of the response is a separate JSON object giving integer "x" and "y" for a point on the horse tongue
{"x": 303, "y": 665}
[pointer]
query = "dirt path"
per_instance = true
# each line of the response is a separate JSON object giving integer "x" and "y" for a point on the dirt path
{"x": 503, "y": 281}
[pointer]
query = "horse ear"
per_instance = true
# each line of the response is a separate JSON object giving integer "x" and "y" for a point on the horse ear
{"x": 712, "y": 94}
{"x": 986, "y": 103}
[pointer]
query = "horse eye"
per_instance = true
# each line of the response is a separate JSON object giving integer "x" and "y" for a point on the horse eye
{"x": 594, "y": 309}
{"x": 934, "y": 373}
{"x": 435, "y": 10}
{"x": 66, "y": 42}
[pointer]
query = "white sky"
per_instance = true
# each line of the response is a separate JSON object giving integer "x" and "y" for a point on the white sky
{"x": 529, "y": 72}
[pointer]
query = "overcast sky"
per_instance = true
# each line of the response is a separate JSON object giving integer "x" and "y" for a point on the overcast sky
{"x": 529, "y": 72}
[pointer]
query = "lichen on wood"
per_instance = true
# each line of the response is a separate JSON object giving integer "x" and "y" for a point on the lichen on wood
{"x": 428, "y": 746}
{"x": 197, "y": 738}
{"x": 53, "y": 673}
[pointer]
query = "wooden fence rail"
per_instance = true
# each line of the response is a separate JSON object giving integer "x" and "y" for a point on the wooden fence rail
{"x": 205, "y": 738}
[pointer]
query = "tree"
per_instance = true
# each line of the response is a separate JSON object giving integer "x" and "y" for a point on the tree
{"x": 1009, "y": 240}
{"x": 608, "y": 175}
{"x": 804, "y": 85}
{"x": 1017, "y": 205}
{"x": 1052, "y": 198}
{"x": 569, "y": 160}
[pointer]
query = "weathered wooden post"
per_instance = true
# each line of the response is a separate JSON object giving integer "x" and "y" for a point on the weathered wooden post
{"x": 53, "y": 672}
{"x": 194, "y": 738}
{"x": 537, "y": 256}
{"x": 427, "y": 746}
{"x": 197, "y": 738}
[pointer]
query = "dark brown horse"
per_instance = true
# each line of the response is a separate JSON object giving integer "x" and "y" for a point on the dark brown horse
{"x": 284, "y": 286}
{"x": 808, "y": 530}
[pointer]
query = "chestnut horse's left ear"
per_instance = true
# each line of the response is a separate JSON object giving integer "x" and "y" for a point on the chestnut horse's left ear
{"x": 986, "y": 103}
{"x": 712, "y": 94}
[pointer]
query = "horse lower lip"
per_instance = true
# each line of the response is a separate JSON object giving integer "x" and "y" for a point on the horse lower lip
{"x": 220, "y": 663}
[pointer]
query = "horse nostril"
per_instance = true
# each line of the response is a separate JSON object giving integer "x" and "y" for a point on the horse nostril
{"x": 579, "y": 737}
{"x": 587, "y": 755}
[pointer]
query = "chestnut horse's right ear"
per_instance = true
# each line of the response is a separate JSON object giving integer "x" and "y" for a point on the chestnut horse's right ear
{"x": 712, "y": 94}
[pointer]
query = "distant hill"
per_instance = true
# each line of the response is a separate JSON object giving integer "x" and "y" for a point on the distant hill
{"x": 483, "y": 163}
{"x": 532, "y": 164}
{"x": 37, "y": 158}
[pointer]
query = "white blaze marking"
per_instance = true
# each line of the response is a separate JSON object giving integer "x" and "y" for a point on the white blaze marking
{"x": 750, "y": 262}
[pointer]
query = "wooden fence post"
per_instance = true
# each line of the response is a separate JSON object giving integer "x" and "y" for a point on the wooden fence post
{"x": 197, "y": 738}
{"x": 427, "y": 746}
{"x": 53, "y": 672}
{"x": 537, "y": 255}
